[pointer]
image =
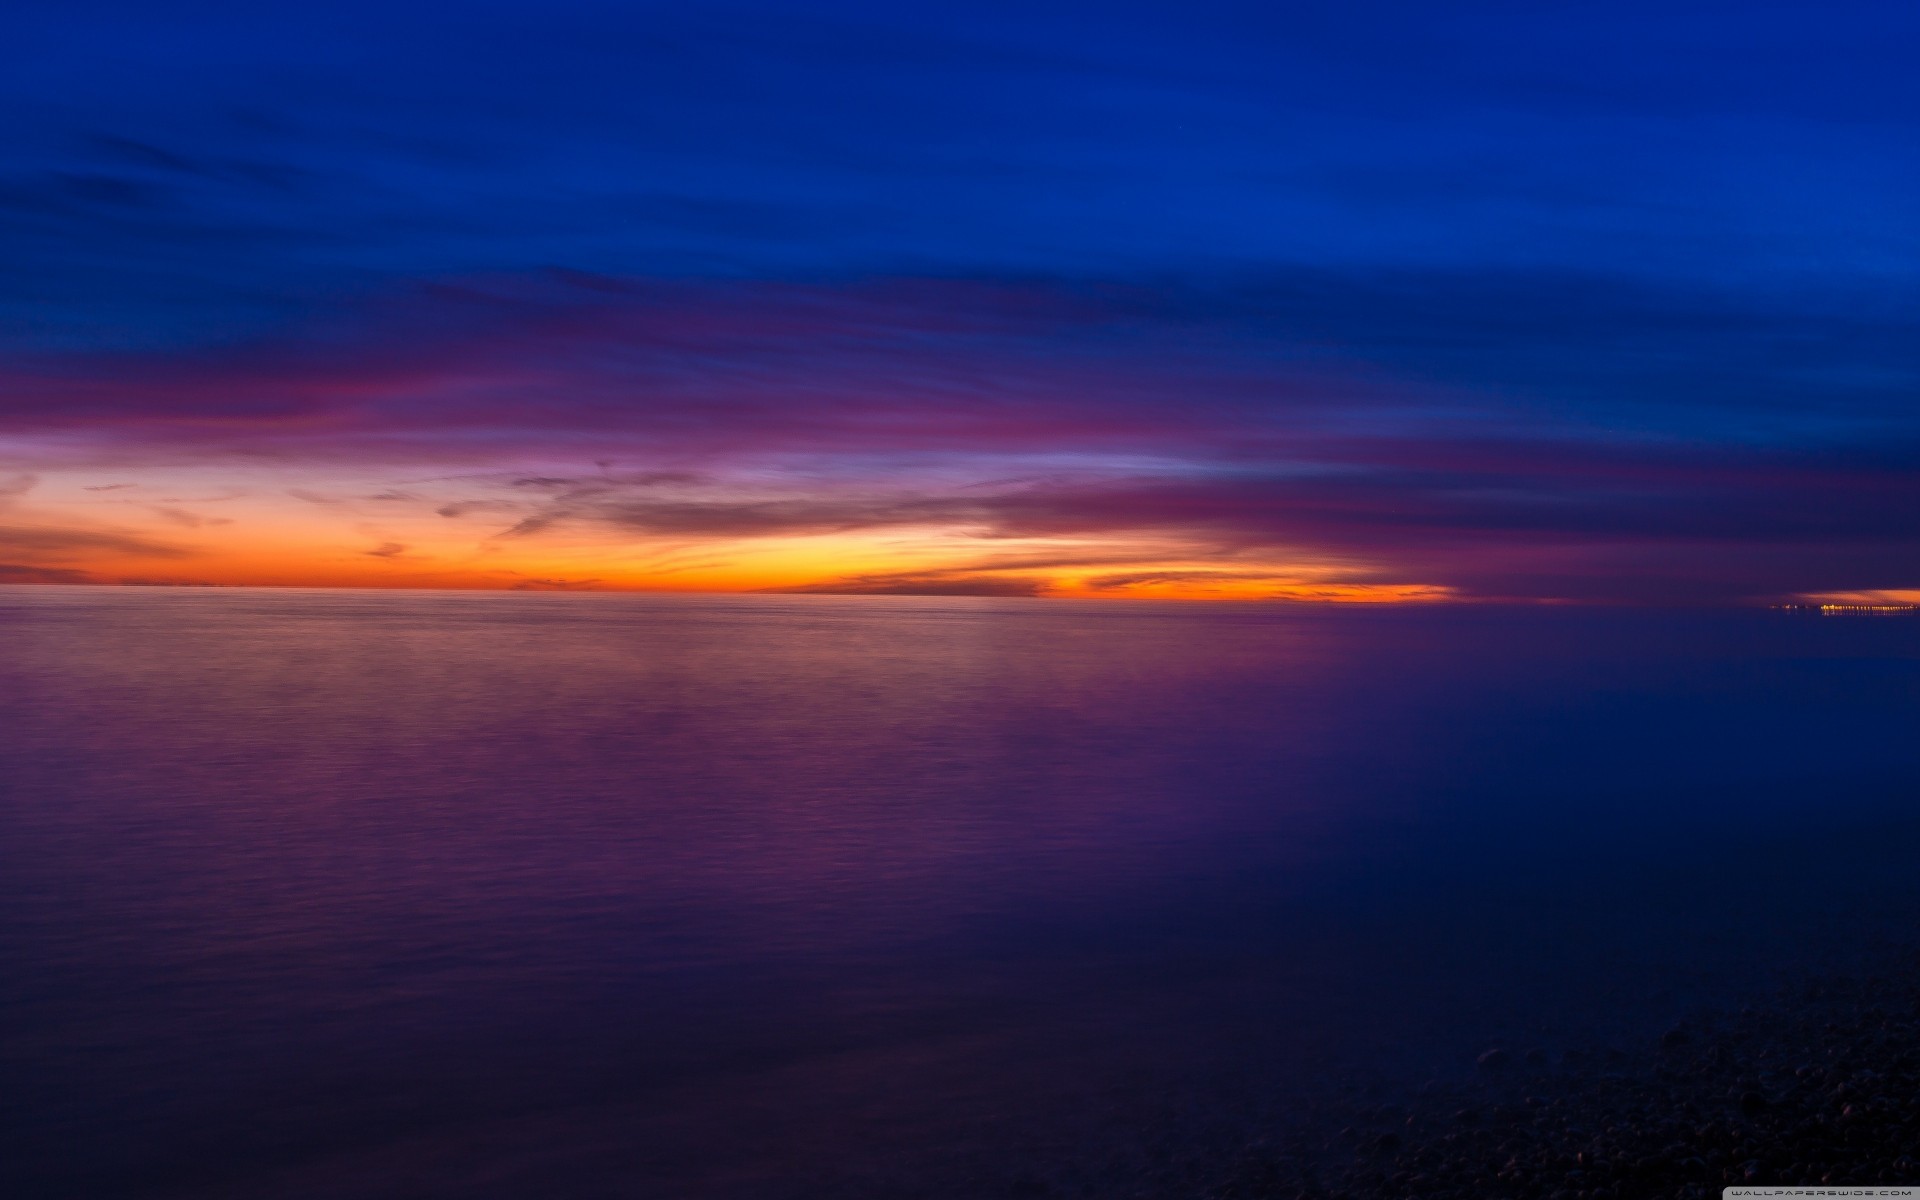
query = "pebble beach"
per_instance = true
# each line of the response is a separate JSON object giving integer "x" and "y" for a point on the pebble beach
{"x": 1816, "y": 1084}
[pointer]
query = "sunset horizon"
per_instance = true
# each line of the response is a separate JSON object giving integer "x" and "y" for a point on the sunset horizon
{"x": 1016, "y": 600}
{"x": 1246, "y": 306}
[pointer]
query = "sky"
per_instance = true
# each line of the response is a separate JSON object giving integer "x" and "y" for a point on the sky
{"x": 1318, "y": 301}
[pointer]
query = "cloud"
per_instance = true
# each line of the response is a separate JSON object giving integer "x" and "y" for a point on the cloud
{"x": 75, "y": 195}
{"x": 697, "y": 518}
{"x": 1358, "y": 494}
{"x": 1505, "y": 432}
{"x": 386, "y": 550}
{"x": 191, "y": 520}
{"x": 51, "y": 541}
{"x": 924, "y": 583}
{"x": 956, "y": 365}
{"x": 461, "y": 508}
{"x": 11, "y": 490}
{"x": 48, "y": 549}
{"x": 555, "y": 585}
{"x": 26, "y": 573}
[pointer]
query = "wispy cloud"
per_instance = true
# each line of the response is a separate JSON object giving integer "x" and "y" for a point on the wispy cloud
{"x": 924, "y": 583}
{"x": 190, "y": 520}
{"x": 28, "y": 573}
{"x": 53, "y": 541}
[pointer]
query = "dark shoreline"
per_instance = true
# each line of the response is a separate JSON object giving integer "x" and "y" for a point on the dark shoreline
{"x": 1817, "y": 1084}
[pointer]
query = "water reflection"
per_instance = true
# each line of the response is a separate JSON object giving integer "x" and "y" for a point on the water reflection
{"x": 441, "y": 894}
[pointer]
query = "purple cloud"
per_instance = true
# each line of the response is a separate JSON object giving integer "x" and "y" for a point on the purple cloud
{"x": 1503, "y": 434}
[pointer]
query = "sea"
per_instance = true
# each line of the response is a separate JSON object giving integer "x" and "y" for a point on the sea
{"x": 341, "y": 894}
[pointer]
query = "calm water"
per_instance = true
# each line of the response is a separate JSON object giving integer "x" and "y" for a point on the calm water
{"x": 353, "y": 894}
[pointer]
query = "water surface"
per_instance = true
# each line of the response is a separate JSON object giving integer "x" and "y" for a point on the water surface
{"x": 311, "y": 893}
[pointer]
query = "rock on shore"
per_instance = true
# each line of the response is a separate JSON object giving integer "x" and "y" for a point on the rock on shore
{"x": 1821, "y": 1085}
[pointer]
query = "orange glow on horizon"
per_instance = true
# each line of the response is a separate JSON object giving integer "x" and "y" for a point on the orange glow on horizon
{"x": 1872, "y": 598}
{"x": 275, "y": 527}
{"x": 748, "y": 570}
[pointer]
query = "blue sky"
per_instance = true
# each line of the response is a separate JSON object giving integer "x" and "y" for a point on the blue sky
{"x": 1668, "y": 230}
